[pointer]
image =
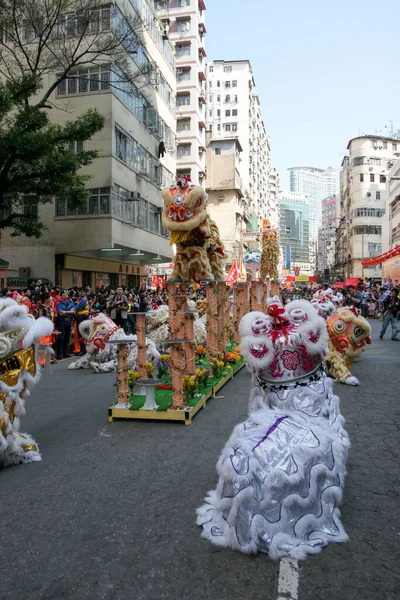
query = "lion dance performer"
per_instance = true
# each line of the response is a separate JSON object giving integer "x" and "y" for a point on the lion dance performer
{"x": 281, "y": 473}
{"x": 199, "y": 250}
{"x": 20, "y": 355}
{"x": 348, "y": 335}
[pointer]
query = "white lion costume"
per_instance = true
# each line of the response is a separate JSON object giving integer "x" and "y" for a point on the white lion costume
{"x": 19, "y": 368}
{"x": 158, "y": 328}
{"x": 102, "y": 356}
{"x": 281, "y": 474}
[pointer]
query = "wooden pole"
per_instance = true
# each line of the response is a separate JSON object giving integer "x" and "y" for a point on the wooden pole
{"x": 141, "y": 344}
{"x": 223, "y": 317}
{"x": 176, "y": 349}
{"x": 212, "y": 319}
{"x": 122, "y": 370}
{"x": 256, "y": 295}
{"x": 189, "y": 346}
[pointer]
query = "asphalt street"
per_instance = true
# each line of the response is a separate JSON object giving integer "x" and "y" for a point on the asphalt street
{"x": 109, "y": 513}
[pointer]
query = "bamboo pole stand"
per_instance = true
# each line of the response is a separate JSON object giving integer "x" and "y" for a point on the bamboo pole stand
{"x": 241, "y": 306}
{"x": 212, "y": 319}
{"x": 223, "y": 316}
{"x": 257, "y": 293}
{"x": 141, "y": 344}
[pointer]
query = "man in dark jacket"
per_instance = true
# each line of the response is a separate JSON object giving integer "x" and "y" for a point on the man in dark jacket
{"x": 391, "y": 307}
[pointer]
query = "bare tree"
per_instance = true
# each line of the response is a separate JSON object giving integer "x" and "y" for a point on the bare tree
{"x": 58, "y": 37}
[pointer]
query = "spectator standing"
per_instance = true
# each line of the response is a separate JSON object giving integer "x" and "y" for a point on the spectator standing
{"x": 82, "y": 314}
{"x": 353, "y": 298}
{"x": 391, "y": 307}
{"x": 65, "y": 316}
{"x": 117, "y": 307}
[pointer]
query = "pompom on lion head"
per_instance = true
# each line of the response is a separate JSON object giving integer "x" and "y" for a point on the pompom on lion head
{"x": 185, "y": 206}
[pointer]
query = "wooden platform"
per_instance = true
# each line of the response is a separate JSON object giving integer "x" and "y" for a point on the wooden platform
{"x": 185, "y": 415}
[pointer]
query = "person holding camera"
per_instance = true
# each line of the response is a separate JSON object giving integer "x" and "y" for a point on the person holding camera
{"x": 118, "y": 308}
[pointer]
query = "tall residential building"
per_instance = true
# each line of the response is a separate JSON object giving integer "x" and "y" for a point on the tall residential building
{"x": 118, "y": 230}
{"x": 274, "y": 195}
{"x": 225, "y": 191}
{"x": 294, "y": 231}
{"x": 363, "y": 200}
{"x": 316, "y": 184}
{"x": 327, "y": 232}
{"x": 391, "y": 222}
{"x": 184, "y": 23}
{"x": 233, "y": 109}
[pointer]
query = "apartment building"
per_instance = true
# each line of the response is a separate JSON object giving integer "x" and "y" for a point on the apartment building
{"x": 316, "y": 184}
{"x": 225, "y": 191}
{"x": 391, "y": 223}
{"x": 184, "y": 23}
{"x": 118, "y": 230}
{"x": 233, "y": 110}
{"x": 274, "y": 195}
{"x": 295, "y": 232}
{"x": 327, "y": 232}
{"x": 363, "y": 202}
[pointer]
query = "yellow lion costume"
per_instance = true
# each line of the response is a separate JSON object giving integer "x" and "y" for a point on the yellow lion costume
{"x": 199, "y": 250}
{"x": 348, "y": 335}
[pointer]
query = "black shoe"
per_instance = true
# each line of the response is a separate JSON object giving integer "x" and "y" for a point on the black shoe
{"x": 67, "y": 356}
{"x": 395, "y": 339}
{"x": 381, "y": 337}
{"x": 59, "y": 357}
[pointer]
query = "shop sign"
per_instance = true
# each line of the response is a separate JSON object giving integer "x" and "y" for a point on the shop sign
{"x": 130, "y": 269}
{"x": 301, "y": 278}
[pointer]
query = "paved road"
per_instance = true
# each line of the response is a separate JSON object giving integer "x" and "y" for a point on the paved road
{"x": 110, "y": 511}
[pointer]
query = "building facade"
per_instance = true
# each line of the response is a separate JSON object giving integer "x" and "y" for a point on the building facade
{"x": 225, "y": 192}
{"x": 316, "y": 184}
{"x": 184, "y": 23}
{"x": 363, "y": 201}
{"x": 294, "y": 232}
{"x": 273, "y": 199}
{"x": 327, "y": 232}
{"x": 391, "y": 222}
{"x": 118, "y": 230}
{"x": 233, "y": 109}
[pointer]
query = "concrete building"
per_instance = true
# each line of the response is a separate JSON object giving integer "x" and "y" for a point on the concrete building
{"x": 233, "y": 109}
{"x": 225, "y": 192}
{"x": 363, "y": 201}
{"x": 294, "y": 232}
{"x": 184, "y": 22}
{"x": 327, "y": 232}
{"x": 316, "y": 184}
{"x": 118, "y": 230}
{"x": 274, "y": 198}
{"x": 391, "y": 221}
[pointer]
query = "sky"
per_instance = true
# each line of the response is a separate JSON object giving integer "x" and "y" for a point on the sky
{"x": 325, "y": 71}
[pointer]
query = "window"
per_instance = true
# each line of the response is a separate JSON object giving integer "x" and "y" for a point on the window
{"x": 235, "y": 98}
{"x": 182, "y": 26}
{"x": 210, "y": 84}
{"x": 361, "y": 177}
{"x": 210, "y": 98}
{"x": 228, "y": 69}
{"x": 234, "y": 126}
{"x": 375, "y": 161}
{"x": 210, "y": 113}
{"x": 184, "y": 2}
{"x": 227, "y": 127}
{"x": 359, "y": 160}
{"x": 94, "y": 79}
{"x": 211, "y": 69}
{"x": 183, "y": 74}
{"x": 217, "y": 151}
{"x": 384, "y": 144}
{"x": 218, "y": 112}
{"x": 234, "y": 112}
{"x": 183, "y": 150}
{"x": 182, "y": 50}
{"x": 288, "y": 230}
{"x": 372, "y": 178}
{"x": 218, "y": 127}
{"x": 227, "y": 98}
{"x": 367, "y": 229}
{"x": 394, "y": 147}
{"x": 374, "y": 248}
{"x": 227, "y": 113}
{"x": 378, "y": 195}
{"x": 234, "y": 83}
{"x": 76, "y": 146}
{"x": 218, "y": 98}
{"x": 183, "y": 125}
{"x": 382, "y": 178}
{"x": 227, "y": 84}
{"x": 183, "y": 99}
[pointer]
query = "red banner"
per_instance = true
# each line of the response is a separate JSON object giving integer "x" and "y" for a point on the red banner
{"x": 233, "y": 274}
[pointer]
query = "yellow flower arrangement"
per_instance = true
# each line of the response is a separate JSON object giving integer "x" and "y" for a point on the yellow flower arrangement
{"x": 133, "y": 376}
{"x": 150, "y": 369}
{"x": 164, "y": 358}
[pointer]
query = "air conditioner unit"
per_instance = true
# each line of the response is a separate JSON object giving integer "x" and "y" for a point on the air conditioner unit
{"x": 221, "y": 197}
{"x": 134, "y": 197}
{"x": 179, "y": 71}
{"x": 368, "y": 194}
{"x": 24, "y": 272}
{"x": 371, "y": 169}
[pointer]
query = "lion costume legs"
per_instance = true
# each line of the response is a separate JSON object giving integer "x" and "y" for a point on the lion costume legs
{"x": 191, "y": 263}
